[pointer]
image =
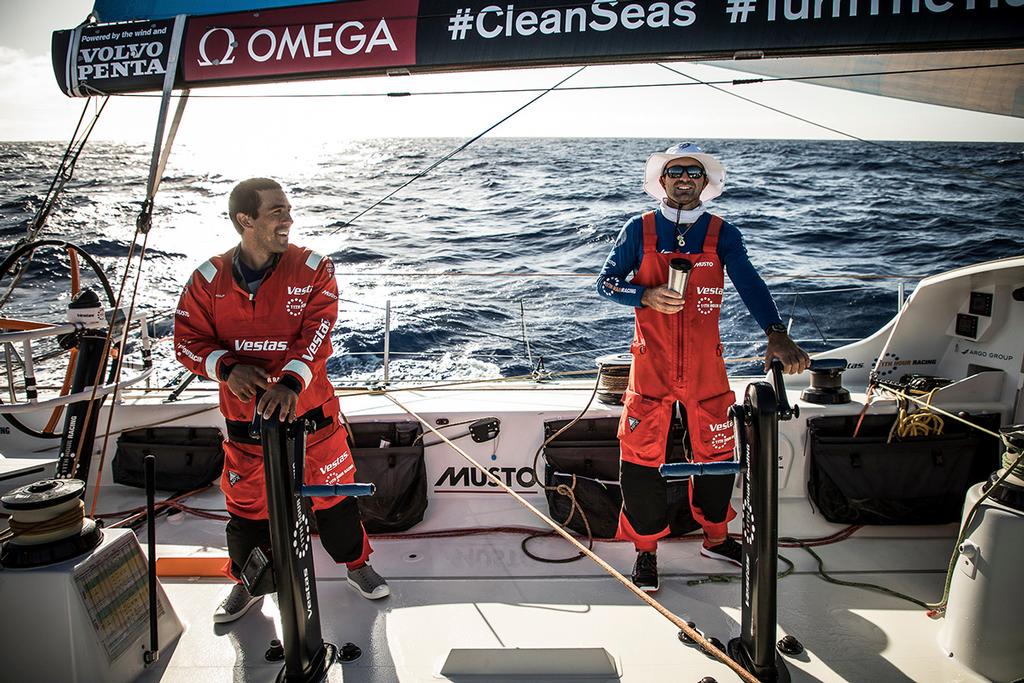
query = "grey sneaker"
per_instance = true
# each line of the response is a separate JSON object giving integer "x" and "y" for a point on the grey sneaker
{"x": 237, "y": 603}
{"x": 368, "y": 582}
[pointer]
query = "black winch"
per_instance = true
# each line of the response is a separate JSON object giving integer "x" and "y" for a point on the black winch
{"x": 826, "y": 383}
{"x": 48, "y": 524}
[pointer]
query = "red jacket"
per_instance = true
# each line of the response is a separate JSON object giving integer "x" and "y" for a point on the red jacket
{"x": 285, "y": 328}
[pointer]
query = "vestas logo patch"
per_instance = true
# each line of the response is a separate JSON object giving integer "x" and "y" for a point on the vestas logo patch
{"x": 710, "y": 290}
{"x": 233, "y": 478}
{"x": 260, "y": 345}
{"x": 633, "y": 423}
{"x": 331, "y": 465}
{"x": 318, "y": 340}
{"x": 299, "y": 291}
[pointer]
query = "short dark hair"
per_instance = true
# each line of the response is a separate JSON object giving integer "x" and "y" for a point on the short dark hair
{"x": 245, "y": 198}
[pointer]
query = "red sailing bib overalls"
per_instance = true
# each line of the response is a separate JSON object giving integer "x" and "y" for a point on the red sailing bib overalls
{"x": 678, "y": 357}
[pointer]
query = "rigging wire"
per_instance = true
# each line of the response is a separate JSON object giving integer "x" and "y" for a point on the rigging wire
{"x": 959, "y": 169}
{"x": 584, "y": 88}
{"x": 65, "y": 171}
{"x": 451, "y": 154}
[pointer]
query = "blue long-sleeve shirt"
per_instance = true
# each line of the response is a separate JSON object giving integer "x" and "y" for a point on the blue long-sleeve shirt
{"x": 624, "y": 260}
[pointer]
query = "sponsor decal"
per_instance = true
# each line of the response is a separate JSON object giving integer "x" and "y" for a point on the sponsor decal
{"x": 121, "y": 57}
{"x": 299, "y": 291}
{"x": 891, "y": 363}
{"x": 233, "y": 477}
{"x": 633, "y": 423}
{"x": 300, "y": 532}
{"x": 181, "y": 313}
{"x": 318, "y": 339}
{"x": 185, "y": 351}
{"x": 994, "y": 355}
{"x": 704, "y": 264}
{"x": 381, "y": 36}
{"x": 720, "y": 441}
{"x": 329, "y": 294}
{"x": 471, "y": 477}
{"x": 507, "y": 21}
{"x": 710, "y": 290}
{"x": 340, "y": 36}
{"x": 5, "y": 431}
{"x": 614, "y": 285}
{"x": 260, "y": 345}
{"x": 706, "y": 305}
{"x": 331, "y": 465}
{"x": 295, "y": 306}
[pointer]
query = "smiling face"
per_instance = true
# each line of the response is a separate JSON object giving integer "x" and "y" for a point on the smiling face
{"x": 266, "y": 233}
{"x": 683, "y": 192}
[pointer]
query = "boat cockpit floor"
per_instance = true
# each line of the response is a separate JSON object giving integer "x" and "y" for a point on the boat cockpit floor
{"x": 481, "y": 591}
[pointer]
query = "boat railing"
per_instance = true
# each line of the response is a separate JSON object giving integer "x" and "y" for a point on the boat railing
{"x": 387, "y": 354}
{"x": 26, "y": 360}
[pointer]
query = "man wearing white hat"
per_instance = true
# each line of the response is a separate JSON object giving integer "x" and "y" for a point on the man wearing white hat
{"x": 677, "y": 351}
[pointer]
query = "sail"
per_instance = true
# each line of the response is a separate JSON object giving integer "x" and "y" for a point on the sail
{"x": 216, "y": 43}
{"x": 943, "y": 78}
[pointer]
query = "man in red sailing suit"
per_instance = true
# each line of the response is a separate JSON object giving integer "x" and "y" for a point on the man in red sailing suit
{"x": 677, "y": 352}
{"x": 259, "y": 318}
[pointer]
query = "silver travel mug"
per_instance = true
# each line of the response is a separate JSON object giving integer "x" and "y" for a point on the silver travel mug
{"x": 678, "y": 272}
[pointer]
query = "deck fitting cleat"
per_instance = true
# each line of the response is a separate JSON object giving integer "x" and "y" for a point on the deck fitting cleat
{"x": 349, "y": 652}
{"x": 683, "y": 638}
{"x": 790, "y": 646}
{"x": 276, "y": 651}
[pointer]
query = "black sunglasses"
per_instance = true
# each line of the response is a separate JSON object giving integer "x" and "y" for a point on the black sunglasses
{"x": 694, "y": 172}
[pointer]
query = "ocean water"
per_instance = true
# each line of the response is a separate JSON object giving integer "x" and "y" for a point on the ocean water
{"x": 488, "y": 262}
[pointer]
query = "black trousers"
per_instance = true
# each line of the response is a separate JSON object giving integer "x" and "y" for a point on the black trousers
{"x": 644, "y": 492}
{"x": 341, "y": 533}
{"x": 645, "y": 498}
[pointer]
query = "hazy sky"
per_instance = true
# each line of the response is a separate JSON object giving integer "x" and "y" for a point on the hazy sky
{"x": 32, "y": 108}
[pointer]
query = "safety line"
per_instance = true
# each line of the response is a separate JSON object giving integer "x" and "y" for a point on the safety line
{"x": 676, "y": 621}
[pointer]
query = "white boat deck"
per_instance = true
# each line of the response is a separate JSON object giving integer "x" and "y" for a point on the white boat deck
{"x": 481, "y": 591}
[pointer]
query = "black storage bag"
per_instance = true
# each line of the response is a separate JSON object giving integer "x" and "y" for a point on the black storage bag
{"x": 917, "y": 480}
{"x": 396, "y": 469}
{"x": 590, "y": 450}
{"x": 187, "y": 458}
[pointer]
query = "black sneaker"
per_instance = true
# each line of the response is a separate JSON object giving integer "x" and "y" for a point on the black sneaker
{"x": 726, "y": 551}
{"x": 237, "y": 603}
{"x": 645, "y": 572}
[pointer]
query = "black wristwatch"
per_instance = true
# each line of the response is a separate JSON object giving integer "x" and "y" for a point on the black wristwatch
{"x": 775, "y": 327}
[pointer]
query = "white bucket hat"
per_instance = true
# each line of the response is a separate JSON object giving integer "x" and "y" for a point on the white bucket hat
{"x": 712, "y": 167}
